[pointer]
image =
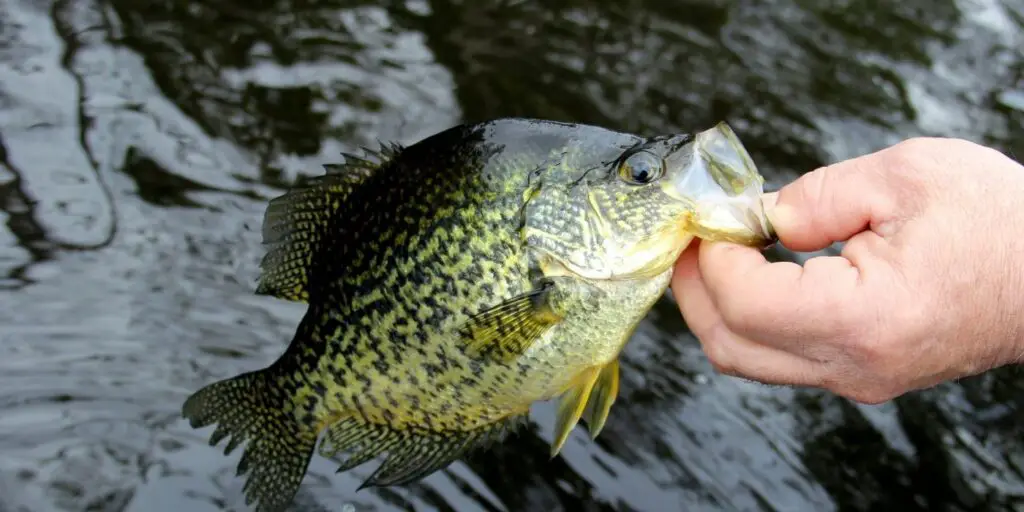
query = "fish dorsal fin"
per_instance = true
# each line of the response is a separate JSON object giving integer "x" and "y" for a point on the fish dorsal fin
{"x": 295, "y": 222}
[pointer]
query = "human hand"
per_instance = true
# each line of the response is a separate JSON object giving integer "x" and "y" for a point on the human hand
{"x": 929, "y": 286}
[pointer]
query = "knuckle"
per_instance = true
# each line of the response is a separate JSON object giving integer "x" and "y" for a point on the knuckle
{"x": 874, "y": 354}
{"x": 718, "y": 358}
{"x": 919, "y": 149}
{"x": 828, "y": 381}
{"x": 872, "y": 395}
{"x": 923, "y": 162}
{"x": 734, "y": 311}
{"x": 916, "y": 146}
{"x": 717, "y": 350}
{"x": 818, "y": 193}
{"x": 866, "y": 391}
{"x": 905, "y": 159}
{"x": 745, "y": 311}
{"x": 724, "y": 369}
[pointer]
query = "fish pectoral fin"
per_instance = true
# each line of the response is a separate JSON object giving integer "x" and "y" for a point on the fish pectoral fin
{"x": 571, "y": 405}
{"x": 412, "y": 453}
{"x": 506, "y": 330}
{"x": 602, "y": 396}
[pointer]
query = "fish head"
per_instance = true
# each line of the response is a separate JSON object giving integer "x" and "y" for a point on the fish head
{"x": 642, "y": 208}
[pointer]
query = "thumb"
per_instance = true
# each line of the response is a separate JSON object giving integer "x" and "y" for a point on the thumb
{"x": 830, "y": 204}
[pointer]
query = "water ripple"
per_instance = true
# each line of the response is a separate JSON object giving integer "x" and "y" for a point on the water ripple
{"x": 140, "y": 140}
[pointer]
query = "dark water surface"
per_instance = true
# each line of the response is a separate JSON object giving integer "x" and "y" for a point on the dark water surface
{"x": 140, "y": 140}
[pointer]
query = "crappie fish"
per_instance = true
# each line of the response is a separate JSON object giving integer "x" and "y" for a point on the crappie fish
{"x": 452, "y": 283}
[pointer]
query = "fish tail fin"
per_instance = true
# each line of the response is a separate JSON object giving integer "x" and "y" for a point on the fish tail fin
{"x": 256, "y": 407}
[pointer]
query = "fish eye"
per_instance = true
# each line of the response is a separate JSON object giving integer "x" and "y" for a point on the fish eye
{"x": 641, "y": 168}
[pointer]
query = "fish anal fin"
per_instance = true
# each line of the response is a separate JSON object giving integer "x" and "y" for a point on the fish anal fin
{"x": 602, "y": 396}
{"x": 412, "y": 454}
{"x": 295, "y": 222}
{"x": 571, "y": 405}
{"x": 507, "y": 330}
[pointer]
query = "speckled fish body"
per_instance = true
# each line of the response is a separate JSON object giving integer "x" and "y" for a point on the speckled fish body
{"x": 454, "y": 282}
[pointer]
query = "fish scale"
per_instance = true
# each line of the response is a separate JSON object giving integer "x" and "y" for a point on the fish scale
{"x": 452, "y": 283}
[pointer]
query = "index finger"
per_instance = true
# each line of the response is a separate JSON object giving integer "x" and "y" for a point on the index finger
{"x": 783, "y": 302}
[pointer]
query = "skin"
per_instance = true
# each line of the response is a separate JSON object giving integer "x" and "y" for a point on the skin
{"x": 929, "y": 286}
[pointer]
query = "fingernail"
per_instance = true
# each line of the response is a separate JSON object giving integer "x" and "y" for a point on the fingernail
{"x": 780, "y": 215}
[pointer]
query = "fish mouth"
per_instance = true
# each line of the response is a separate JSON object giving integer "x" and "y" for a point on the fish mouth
{"x": 721, "y": 183}
{"x": 742, "y": 222}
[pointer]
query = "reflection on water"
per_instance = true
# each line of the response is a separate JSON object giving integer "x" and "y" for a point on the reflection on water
{"x": 140, "y": 140}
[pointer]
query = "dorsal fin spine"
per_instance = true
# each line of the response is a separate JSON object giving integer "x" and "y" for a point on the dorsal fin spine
{"x": 296, "y": 222}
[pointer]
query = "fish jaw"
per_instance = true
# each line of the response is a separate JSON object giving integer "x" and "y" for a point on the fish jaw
{"x": 719, "y": 180}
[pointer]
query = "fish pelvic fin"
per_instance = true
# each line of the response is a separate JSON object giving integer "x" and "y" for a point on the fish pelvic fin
{"x": 252, "y": 407}
{"x": 297, "y": 222}
{"x": 507, "y": 330}
{"x": 412, "y": 454}
{"x": 602, "y": 396}
{"x": 571, "y": 405}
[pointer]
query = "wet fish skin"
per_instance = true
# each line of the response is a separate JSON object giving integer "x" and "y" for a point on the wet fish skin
{"x": 452, "y": 283}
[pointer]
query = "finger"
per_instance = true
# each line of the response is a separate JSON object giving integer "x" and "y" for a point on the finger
{"x": 687, "y": 264}
{"x": 730, "y": 353}
{"x": 832, "y": 204}
{"x": 735, "y": 355}
{"x": 688, "y": 287}
{"x": 782, "y": 301}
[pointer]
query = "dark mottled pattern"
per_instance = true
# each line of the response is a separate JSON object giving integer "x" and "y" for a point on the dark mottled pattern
{"x": 256, "y": 408}
{"x": 427, "y": 289}
{"x": 292, "y": 226}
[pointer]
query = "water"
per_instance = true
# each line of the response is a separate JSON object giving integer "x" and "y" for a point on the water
{"x": 140, "y": 140}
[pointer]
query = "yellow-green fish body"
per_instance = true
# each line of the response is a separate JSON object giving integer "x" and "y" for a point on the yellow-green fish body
{"x": 454, "y": 282}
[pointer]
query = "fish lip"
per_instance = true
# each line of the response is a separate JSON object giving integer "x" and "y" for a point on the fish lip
{"x": 758, "y": 222}
{"x": 719, "y": 145}
{"x": 760, "y": 230}
{"x": 717, "y": 177}
{"x": 771, "y": 237}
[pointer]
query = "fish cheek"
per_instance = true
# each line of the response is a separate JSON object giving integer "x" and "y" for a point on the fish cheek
{"x": 631, "y": 213}
{"x": 563, "y": 234}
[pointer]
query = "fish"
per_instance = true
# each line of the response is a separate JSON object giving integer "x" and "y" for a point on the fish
{"x": 452, "y": 282}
